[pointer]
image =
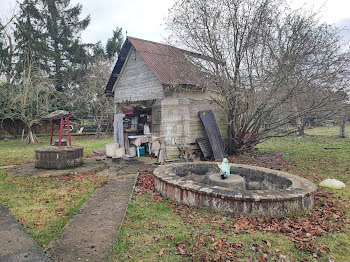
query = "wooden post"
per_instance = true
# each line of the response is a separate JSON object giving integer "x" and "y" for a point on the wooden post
{"x": 61, "y": 130}
{"x": 52, "y": 126}
{"x": 115, "y": 129}
{"x": 118, "y": 132}
{"x": 126, "y": 143}
{"x": 118, "y": 129}
{"x": 68, "y": 125}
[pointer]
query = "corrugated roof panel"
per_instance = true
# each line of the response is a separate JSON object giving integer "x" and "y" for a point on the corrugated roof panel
{"x": 168, "y": 63}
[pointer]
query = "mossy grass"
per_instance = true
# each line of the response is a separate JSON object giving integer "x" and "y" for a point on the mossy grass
{"x": 44, "y": 205}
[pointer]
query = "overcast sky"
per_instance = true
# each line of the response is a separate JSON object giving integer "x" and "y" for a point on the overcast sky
{"x": 145, "y": 18}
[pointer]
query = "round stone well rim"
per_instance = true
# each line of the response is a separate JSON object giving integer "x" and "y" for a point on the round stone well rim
{"x": 54, "y": 157}
{"x": 54, "y": 149}
{"x": 300, "y": 186}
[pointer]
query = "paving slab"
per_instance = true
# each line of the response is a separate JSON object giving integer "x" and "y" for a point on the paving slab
{"x": 91, "y": 233}
{"x": 6, "y": 167}
{"x": 29, "y": 169}
{"x": 16, "y": 245}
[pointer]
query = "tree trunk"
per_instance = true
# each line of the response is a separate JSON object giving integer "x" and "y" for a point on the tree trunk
{"x": 239, "y": 140}
{"x": 231, "y": 143}
{"x": 342, "y": 128}
{"x": 31, "y": 137}
{"x": 301, "y": 130}
{"x": 98, "y": 130}
{"x": 300, "y": 125}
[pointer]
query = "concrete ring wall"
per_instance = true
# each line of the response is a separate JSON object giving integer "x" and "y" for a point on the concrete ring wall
{"x": 54, "y": 157}
{"x": 297, "y": 197}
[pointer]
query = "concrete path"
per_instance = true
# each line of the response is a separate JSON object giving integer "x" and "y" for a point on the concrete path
{"x": 16, "y": 245}
{"x": 91, "y": 233}
{"x": 6, "y": 167}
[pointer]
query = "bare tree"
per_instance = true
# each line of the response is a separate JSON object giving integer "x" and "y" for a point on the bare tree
{"x": 29, "y": 100}
{"x": 91, "y": 91}
{"x": 270, "y": 65}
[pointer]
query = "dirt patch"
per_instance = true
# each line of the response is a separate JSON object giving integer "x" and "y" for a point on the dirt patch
{"x": 29, "y": 170}
{"x": 133, "y": 165}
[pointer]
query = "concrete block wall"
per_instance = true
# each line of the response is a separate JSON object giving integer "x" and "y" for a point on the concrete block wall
{"x": 180, "y": 122}
{"x": 175, "y": 123}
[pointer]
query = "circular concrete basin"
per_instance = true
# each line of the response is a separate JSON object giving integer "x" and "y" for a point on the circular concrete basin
{"x": 264, "y": 192}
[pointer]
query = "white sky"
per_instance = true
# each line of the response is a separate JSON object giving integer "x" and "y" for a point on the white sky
{"x": 145, "y": 18}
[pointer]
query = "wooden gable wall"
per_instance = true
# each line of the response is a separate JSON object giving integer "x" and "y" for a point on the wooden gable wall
{"x": 136, "y": 81}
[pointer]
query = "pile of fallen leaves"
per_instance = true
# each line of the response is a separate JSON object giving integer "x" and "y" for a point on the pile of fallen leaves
{"x": 325, "y": 218}
{"x": 145, "y": 182}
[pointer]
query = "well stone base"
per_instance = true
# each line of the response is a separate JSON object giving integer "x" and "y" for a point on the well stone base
{"x": 233, "y": 182}
{"x": 54, "y": 157}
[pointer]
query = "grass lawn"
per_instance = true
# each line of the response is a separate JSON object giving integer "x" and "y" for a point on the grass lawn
{"x": 157, "y": 234}
{"x": 13, "y": 152}
{"x": 44, "y": 205}
{"x": 161, "y": 230}
{"x": 318, "y": 156}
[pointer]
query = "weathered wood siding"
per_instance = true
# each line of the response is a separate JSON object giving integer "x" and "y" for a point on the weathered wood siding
{"x": 136, "y": 81}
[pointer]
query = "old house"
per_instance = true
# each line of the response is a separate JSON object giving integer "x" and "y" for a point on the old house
{"x": 155, "y": 85}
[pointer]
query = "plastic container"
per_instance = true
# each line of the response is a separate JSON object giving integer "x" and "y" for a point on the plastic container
{"x": 142, "y": 150}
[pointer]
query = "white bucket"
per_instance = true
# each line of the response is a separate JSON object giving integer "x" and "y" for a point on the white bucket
{"x": 110, "y": 150}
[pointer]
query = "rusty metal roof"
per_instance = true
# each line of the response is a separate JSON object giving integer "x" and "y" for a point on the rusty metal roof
{"x": 168, "y": 63}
